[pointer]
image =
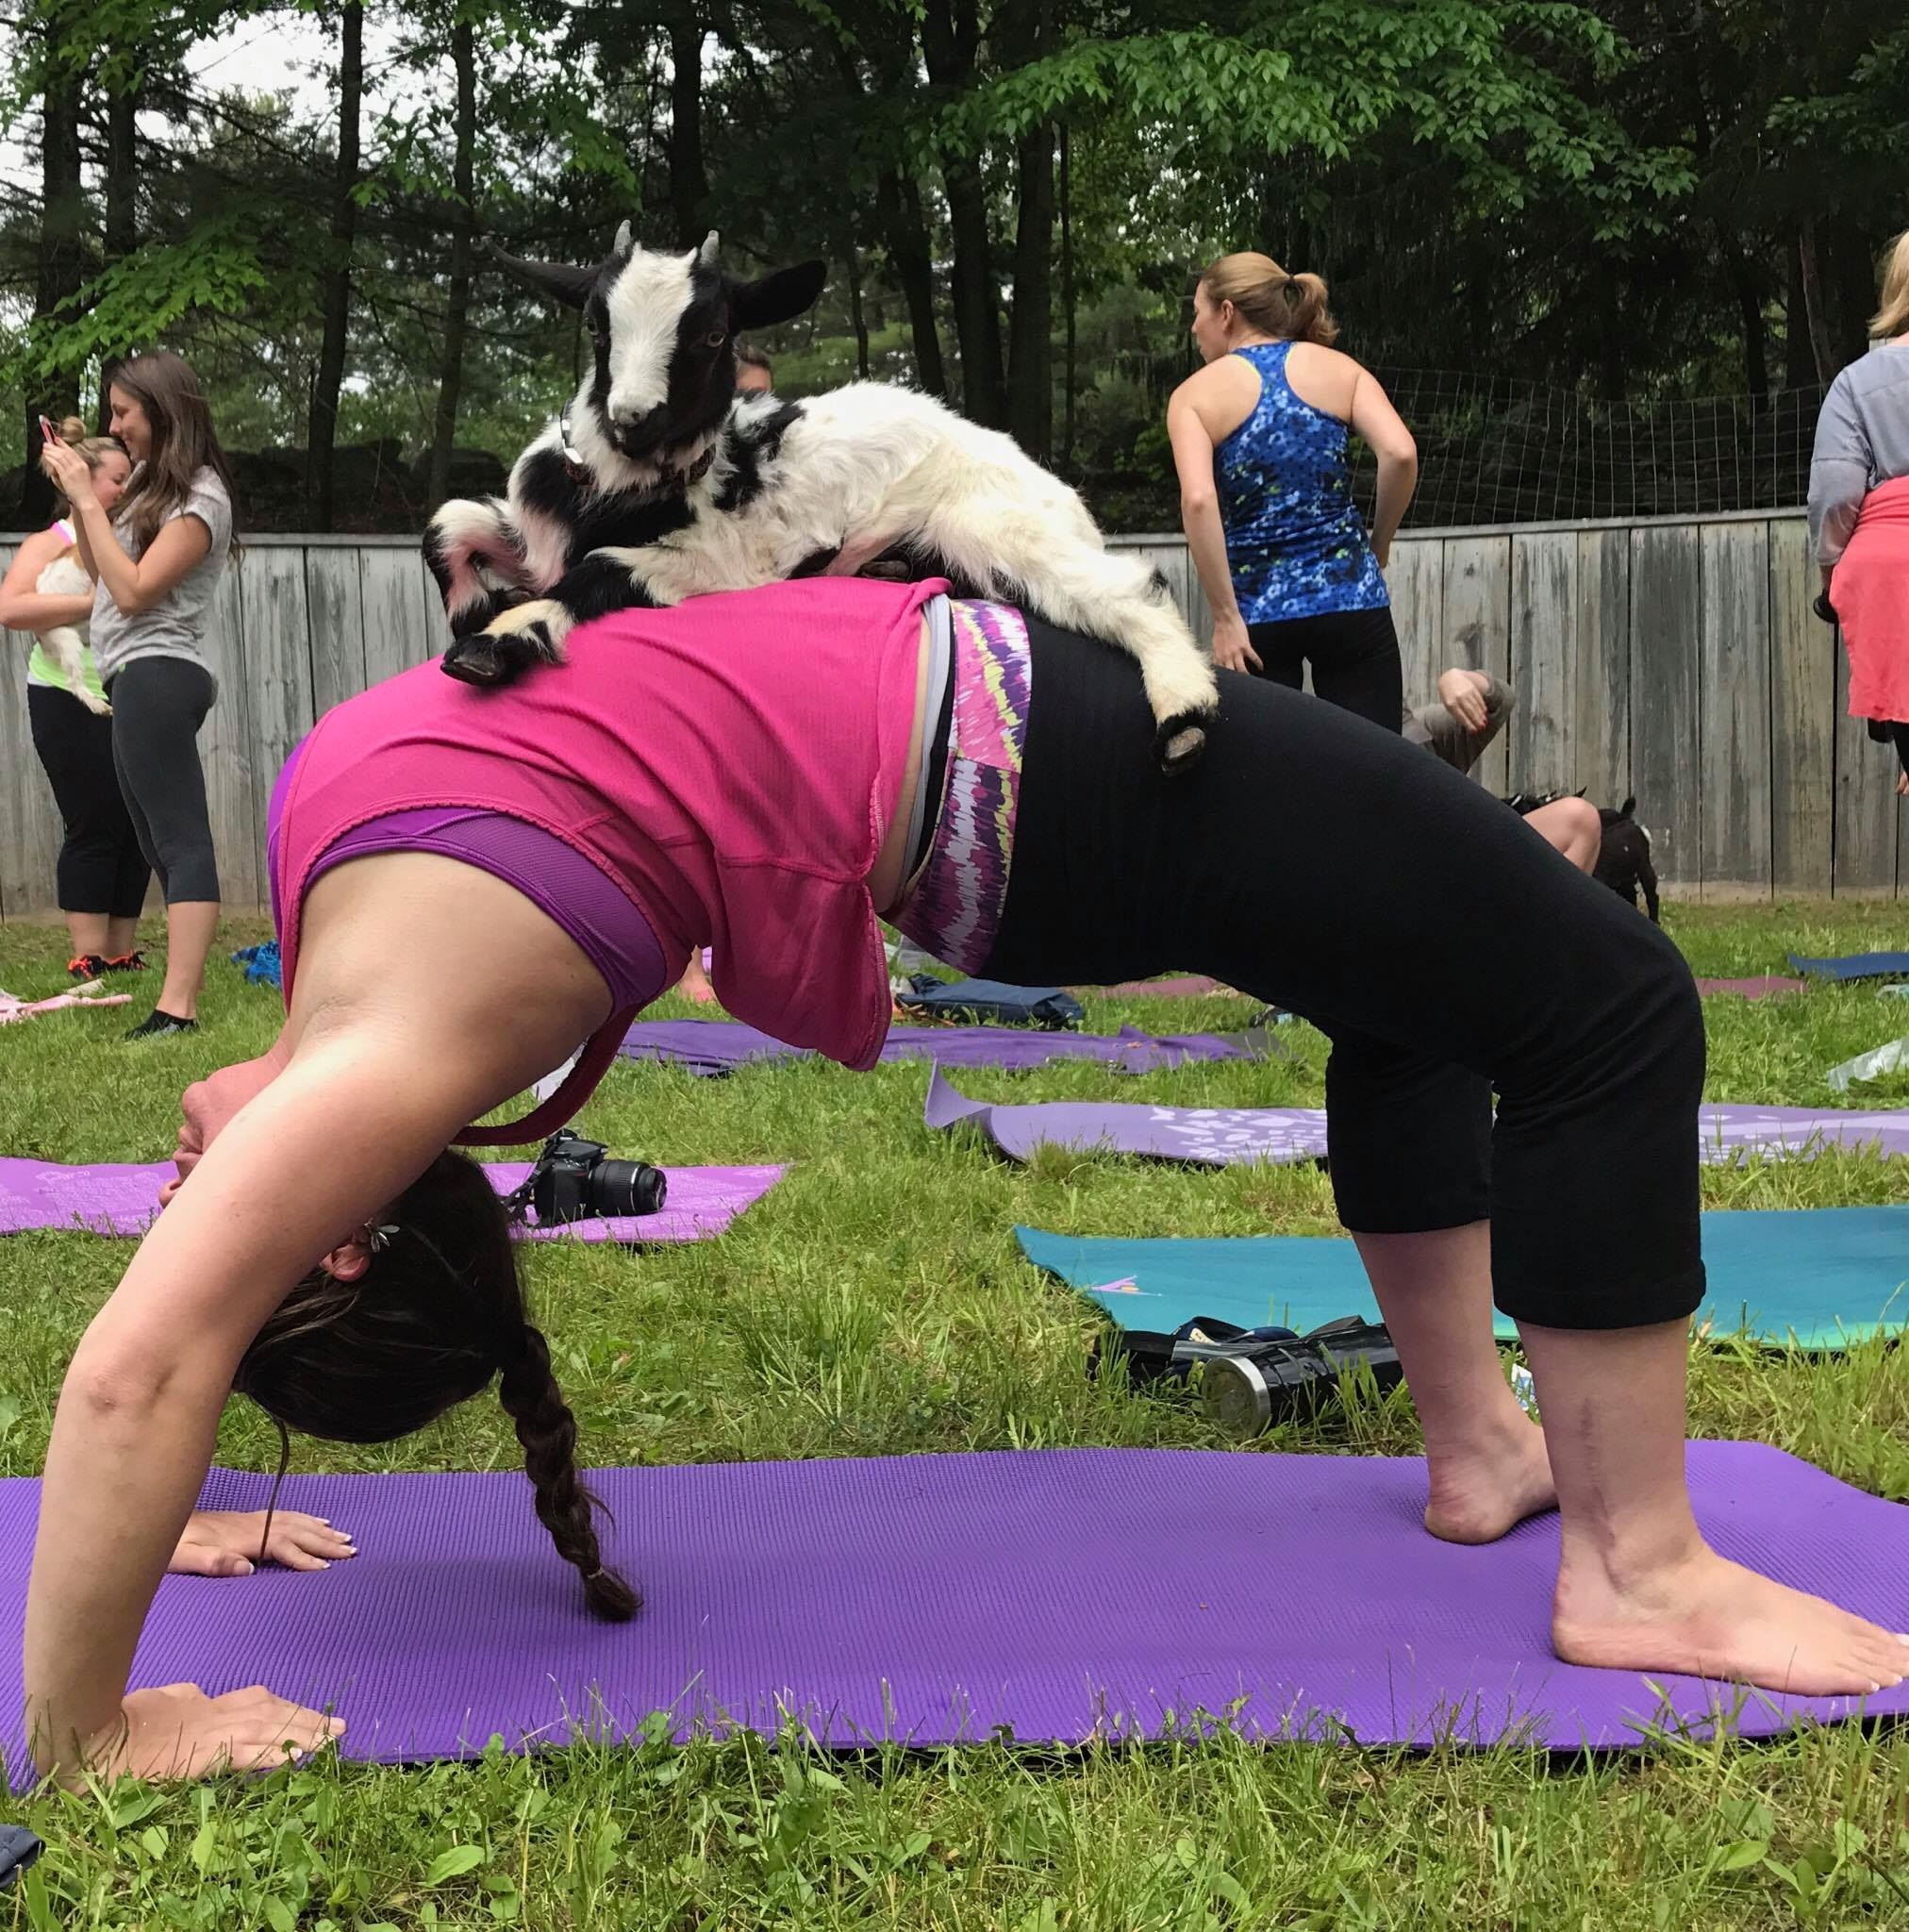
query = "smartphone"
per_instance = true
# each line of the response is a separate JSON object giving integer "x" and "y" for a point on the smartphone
{"x": 47, "y": 432}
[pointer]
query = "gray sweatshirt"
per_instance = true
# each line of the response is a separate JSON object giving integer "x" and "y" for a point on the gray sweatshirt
{"x": 1861, "y": 440}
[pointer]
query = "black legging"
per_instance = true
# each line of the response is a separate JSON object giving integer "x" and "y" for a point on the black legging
{"x": 1354, "y": 655}
{"x": 1900, "y": 734}
{"x": 101, "y": 868}
{"x": 158, "y": 707}
{"x": 1439, "y": 940}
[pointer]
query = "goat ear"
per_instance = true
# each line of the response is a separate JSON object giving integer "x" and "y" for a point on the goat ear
{"x": 776, "y": 298}
{"x": 571, "y": 286}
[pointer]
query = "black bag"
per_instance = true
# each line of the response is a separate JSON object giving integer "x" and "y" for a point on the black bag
{"x": 968, "y": 1002}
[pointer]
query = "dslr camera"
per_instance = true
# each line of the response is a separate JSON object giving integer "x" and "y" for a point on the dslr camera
{"x": 575, "y": 1180}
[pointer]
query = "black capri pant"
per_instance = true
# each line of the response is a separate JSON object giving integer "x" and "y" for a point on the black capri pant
{"x": 1354, "y": 655}
{"x": 158, "y": 707}
{"x": 101, "y": 868}
{"x": 1443, "y": 946}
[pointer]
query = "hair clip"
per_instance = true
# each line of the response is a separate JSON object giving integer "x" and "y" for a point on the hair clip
{"x": 378, "y": 1235}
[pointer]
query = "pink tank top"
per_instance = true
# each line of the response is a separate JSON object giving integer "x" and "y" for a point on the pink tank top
{"x": 733, "y": 764}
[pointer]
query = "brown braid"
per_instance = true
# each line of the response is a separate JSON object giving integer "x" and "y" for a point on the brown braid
{"x": 547, "y": 1430}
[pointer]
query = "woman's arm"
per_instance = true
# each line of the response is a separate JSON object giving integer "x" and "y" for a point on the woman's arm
{"x": 22, "y": 605}
{"x": 1374, "y": 419}
{"x": 1841, "y": 464}
{"x": 1193, "y": 446}
{"x": 296, "y": 1171}
{"x": 179, "y": 545}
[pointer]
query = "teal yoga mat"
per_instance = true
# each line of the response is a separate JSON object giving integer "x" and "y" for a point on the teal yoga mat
{"x": 1820, "y": 1277}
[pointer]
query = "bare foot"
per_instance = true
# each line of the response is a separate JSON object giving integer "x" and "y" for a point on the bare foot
{"x": 1703, "y": 1616}
{"x": 1479, "y": 1496}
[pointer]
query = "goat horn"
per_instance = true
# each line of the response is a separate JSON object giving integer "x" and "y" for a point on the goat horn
{"x": 707, "y": 254}
{"x": 623, "y": 240}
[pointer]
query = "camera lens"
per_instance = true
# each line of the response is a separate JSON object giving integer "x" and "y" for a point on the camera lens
{"x": 627, "y": 1187}
{"x": 1236, "y": 1397}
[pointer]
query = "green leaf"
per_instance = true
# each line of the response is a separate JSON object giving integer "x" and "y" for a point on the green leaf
{"x": 1743, "y": 1854}
{"x": 454, "y": 1863}
{"x": 279, "y": 1915}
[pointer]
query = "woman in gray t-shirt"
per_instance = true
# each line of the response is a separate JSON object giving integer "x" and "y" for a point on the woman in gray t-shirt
{"x": 157, "y": 561}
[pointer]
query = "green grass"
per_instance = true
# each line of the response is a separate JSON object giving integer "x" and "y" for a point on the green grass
{"x": 875, "y": 1304}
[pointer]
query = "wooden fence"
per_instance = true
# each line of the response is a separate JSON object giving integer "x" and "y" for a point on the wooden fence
{"x": 1677, "y": 660}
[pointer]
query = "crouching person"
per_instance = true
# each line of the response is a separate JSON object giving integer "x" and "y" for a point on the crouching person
{"x": 1470, "y": 711}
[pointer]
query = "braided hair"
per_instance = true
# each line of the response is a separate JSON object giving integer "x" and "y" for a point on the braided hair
{"x": 438, "y": 1312}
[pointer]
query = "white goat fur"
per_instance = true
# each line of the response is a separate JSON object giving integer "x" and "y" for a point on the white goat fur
{"x": 861, "y": 468}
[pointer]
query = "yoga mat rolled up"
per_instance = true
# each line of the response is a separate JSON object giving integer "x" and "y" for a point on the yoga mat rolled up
{"x": 1818, "y": 1276}
{"x": 720, "y": 1046}
{"x": 1064, "y": 1594}
{"x": 1853, "y": 965}
{"x": 1727, "y": 1132}
{"x": 123, "y": 1200}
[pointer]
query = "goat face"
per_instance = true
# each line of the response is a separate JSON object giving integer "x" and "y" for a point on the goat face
{"x": 664, "y": 328}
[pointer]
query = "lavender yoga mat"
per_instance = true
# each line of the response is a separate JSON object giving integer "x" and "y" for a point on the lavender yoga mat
{"x": 1064, "y": 1593}
{"x": 1763, "y": 987}
{"x": 121, "y": 1200}
{"x": 1221, "y": 1136}
{"x": 720, "y": 1046}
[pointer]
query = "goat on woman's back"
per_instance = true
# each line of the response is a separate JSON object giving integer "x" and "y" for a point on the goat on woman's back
{"x": 657, "y": 483}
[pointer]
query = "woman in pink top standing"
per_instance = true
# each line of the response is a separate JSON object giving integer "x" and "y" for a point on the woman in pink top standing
{"x": 766, "y": 773}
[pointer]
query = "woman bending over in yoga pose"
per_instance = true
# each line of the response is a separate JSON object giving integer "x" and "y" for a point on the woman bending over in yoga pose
{"x": 765, "y": 771}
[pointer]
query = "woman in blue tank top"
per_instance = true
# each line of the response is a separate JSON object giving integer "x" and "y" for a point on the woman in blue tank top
{"x": 1259, "y": 440}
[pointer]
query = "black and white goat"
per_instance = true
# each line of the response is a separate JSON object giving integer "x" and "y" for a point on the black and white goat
{"x": 659, "y": 483}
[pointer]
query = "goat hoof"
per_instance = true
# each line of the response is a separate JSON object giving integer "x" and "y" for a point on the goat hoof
{"x": 1180, "y": 743}
{"x": 475, "y": 660}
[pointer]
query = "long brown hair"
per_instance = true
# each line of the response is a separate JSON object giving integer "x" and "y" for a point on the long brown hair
{"x": 184, "y": 442}
{"x": 1892, "y": 318}
{"x": 435, "y": 1317}
{"x": 93, "y": 451}
{"x": 1291, "y": 307}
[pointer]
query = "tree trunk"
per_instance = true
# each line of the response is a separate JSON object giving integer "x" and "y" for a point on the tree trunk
{"x": 61, "y": 268}
{"x": 913, "y": 264}
{"x": 121, "y": 173}
{"x": 458, "y": 303}
{"x": 857, "y": 319}
{"x": 323, "y": 436}
{"x": 1030, "y": 365}
{"x": 1816, "y": 321}
{"x": 689, "y": 178}
{"x": 1068, "y": 304}
{"x": 1750, "y": 314}
{"x": 949, "y": 38}
{"x": 1798, "y": 362}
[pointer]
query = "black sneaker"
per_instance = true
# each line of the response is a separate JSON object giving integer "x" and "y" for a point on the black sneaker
{"x": 134, "y": 962}
{"x": 86, "y": 966}
{"x": 160, "y": 1024}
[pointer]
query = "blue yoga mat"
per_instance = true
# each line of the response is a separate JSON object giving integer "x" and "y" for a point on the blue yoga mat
{"x": 1821, "y": 1277}
{"x": 1853, "y": 966}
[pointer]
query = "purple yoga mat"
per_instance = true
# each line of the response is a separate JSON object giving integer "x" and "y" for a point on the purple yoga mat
{"x": 720, "y": 1046}
{"x": 1066, "y": 1593}
{"x": 1223, "y": 1136}
{"x": 118, "y": 1200}
{"x": 1761, "y": 988}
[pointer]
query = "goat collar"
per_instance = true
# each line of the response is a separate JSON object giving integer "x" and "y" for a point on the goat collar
{"x": 581, "y": 469}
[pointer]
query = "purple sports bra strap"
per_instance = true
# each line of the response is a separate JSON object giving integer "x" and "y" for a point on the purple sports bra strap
{"x": 561, "y": 1107}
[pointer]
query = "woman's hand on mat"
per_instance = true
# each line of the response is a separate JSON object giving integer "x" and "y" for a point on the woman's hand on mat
{"x": 224, "y": 1543}
{"x": 1231, "y": 648}
{"x": 179, "y": 1732}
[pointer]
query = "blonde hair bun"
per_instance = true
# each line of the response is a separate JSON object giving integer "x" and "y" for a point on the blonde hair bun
{"x": 1290, "y": 308}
